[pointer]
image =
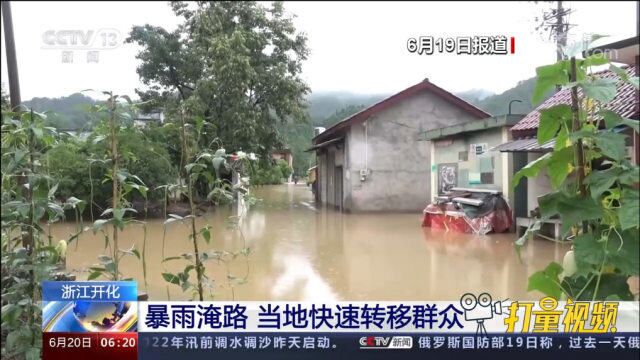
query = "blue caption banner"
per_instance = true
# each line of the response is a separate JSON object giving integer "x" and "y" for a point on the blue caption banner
{"x": 89, "y": 290}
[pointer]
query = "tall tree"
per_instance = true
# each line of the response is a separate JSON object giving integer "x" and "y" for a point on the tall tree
{"x": 237, "y": 64}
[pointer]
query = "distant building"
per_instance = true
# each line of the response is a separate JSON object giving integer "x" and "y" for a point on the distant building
{"x": 286, "y": 155}
{"x": 143, "y": 119}
{"x": 373, "y": 161}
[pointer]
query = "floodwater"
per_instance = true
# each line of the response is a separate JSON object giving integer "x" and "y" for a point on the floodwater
{"x": 300, "y": 252}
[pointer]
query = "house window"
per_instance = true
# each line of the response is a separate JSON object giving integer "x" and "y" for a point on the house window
{"x": 486, "y": 178}
{"x": 486, "y": 168}
{"x": 463, "y": 156}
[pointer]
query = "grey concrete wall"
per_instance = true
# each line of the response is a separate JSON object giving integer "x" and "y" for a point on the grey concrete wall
{"x": 397, "y": 165}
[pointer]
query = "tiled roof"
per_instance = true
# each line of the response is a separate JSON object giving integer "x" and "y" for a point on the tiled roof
{"x": 531, "y": 144}
{"x": 625, "y": 102}
{"x": 394, "y": 99}
{"x": 525, "y": 145}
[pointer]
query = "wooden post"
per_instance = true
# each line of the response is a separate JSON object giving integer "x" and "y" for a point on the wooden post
{"x": 575, "y": 126}
{"x": 12, "y": 61}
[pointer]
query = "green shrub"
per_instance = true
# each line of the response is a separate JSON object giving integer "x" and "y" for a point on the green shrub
{"x": 267, "y": 173}
{"x": 284, "y": 167}
{"x": 69, "y": 164}
{"x": 147, "y": 159}
{"x": 168, "y": 136}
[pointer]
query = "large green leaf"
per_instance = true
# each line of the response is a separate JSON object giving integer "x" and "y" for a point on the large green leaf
{"x": 589, "y": 252}
{"x": 171, "y": 278}
{"x": 561, "y": 139}
{"x": 601, "y": 181}
{"x": 611, "y": 144}
{"x": 560, "y": 165}
{"x": 548, "y": 77}
{"x": 576, "y": 209}
{"x": 612, "y": 119}
{"x": 547, "y": 281}
{"x": 629, "y": 209}
{"x": 622, "y": 73}
{"x": 603, "y": 90}
{"x": 622, "y": 252}
{"x": 595, "y": 60}
{"x": 531, "y": 169}
{"x": 548, "y": 203}
{"x": 550, "y": 121}
{"x": 611, "y": 285}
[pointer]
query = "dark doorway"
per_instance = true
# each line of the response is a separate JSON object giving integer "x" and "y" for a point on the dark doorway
{"x": 338, "y": 187}
{"x": 520, "y": 192}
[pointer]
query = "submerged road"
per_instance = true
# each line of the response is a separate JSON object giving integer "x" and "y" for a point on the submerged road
{"x": 301, "y": 252}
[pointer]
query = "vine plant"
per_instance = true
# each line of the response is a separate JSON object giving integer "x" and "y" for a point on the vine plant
{"x": 594, "y": 183}
{"x": 28, "y": 200}
{"x": 116, "y": 111}
{"x": 205, "y": 166}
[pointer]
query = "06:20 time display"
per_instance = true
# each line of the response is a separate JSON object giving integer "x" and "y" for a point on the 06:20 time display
{"x": 122, "y": 342}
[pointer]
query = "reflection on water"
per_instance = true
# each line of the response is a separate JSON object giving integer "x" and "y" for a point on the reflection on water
{"x": 303, "y": 253}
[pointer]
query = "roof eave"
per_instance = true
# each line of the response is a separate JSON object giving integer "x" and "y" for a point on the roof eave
{"x": 393, "y": 99}
{"x": 473, "y": 126}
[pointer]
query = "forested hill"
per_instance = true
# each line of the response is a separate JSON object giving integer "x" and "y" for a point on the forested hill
{"x": 67, "y": 112}
{"x": 324, "y": 105}
{"x": 327, "y": 108}
{"x": 498, "y": 104}
{"x": 324, "y": 108}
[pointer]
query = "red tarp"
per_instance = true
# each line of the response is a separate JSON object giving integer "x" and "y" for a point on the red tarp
{"x": 446, "y": 217}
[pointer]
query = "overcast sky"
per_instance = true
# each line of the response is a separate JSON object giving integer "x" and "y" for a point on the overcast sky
{"x": 356, "y": 47}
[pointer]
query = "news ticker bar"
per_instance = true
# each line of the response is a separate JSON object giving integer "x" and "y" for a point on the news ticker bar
{"x": 196, "y": 346}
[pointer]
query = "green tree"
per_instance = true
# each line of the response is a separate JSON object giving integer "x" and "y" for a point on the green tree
{"x": 238, "y": 64}
{"x": 4, "y": 100}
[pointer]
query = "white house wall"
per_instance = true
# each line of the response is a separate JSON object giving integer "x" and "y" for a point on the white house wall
{"x": 538, "y": 185}
{"x": 397, "y": 165}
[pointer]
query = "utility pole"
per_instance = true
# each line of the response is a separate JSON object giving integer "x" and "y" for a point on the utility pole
{"x": 555, "y": 22}
{"x": 12, "y": 61}
{"x": 561, "y": 31}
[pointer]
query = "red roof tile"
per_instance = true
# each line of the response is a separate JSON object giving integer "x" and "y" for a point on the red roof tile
{"x": 625, "y": 102}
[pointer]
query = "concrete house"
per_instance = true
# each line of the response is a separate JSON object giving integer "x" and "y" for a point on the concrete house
{"x": 462, "y": 156}
{"x": 373, "y": 161}
{"x": 154, "y": 116}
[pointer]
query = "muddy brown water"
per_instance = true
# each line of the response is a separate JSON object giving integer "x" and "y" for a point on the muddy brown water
{"x": 300, "y": 252}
